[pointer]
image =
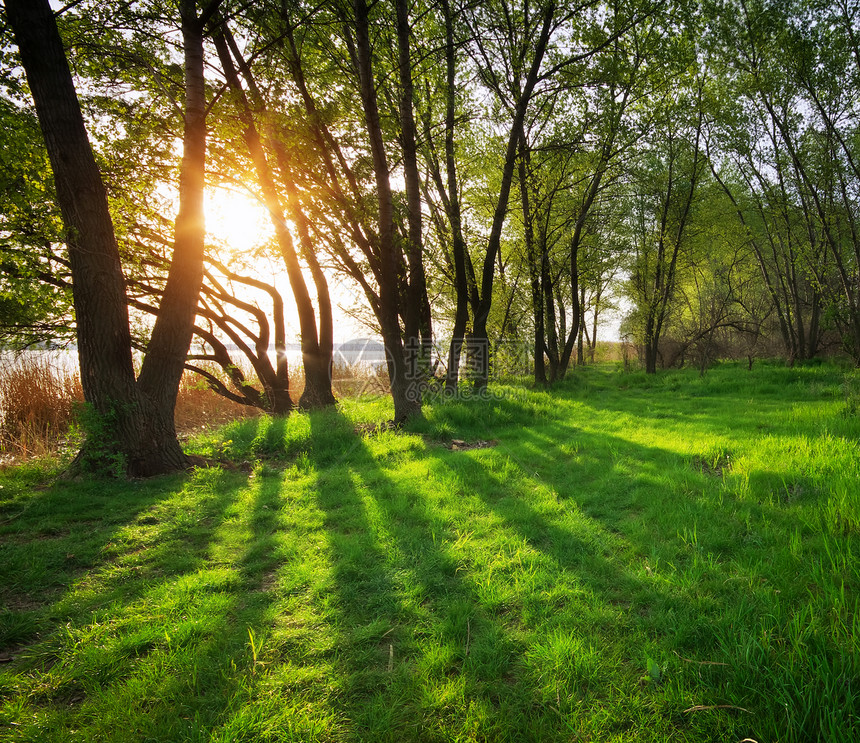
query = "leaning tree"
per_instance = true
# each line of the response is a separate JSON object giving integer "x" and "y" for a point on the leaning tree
{"x": 132, "y": 427}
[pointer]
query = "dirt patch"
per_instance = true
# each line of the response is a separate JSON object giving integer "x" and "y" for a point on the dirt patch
{"x": 21, "y": 602}
{"x": 713, "y": 465}
{"x": 10, "y": 653}
{"x": 269, "y": 581}
{"x": 460, "y": 445}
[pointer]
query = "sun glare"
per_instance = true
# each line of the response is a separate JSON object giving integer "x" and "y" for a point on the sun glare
{"x": 236, "y": 220}
{"x": 241, "y": 225}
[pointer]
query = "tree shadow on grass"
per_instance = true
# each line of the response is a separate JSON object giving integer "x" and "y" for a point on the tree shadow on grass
{"x": 59, "y": 534}
{"x": 688, "y": 564}
{"x": 619, "y": 481}
{"x": 671, "y": 399}
{"x": 161, "y": 638}
{"x": 236, "y": 606}
{"x": 426, "y": 653}
{"x": 412, "y": 633}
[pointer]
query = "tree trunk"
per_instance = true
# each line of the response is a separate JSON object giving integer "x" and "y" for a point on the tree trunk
{"x": 132, "y": 433}
{"x": 316, "y": 343}
{"x": 580, "y": 354}
{"x": 164, "y": 362}
{"x": 417, "y": 323}
{"x": 458, "y": 244}
{"x": 533, "y": 263}
{"x": 575, "y": 309}
{"x": 592, "y": 347}
{"x": 482, "y": 314}
{"x": 651, "y": 341}
{"x": 549, "y": 310}
{"x": 405, "y": 391}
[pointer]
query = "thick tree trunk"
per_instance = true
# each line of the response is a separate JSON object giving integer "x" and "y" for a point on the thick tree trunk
{"x": 164, "y": 362}
{"x": 405, "y": 390}
{"x": 318, "y": 362}
{"x": 98, "y": 285}
{"x": 132, "y": 433}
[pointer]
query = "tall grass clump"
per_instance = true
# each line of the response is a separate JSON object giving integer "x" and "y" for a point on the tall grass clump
{"x": 37, "y": 401}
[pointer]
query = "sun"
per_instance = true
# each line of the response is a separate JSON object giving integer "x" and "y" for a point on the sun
{"x": 236, "y": 220}
{"x": 239, "y": 225}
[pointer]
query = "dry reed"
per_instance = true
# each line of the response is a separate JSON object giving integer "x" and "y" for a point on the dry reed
{"x": 38, "y": 396}
{"x": 37, "y": 400}
{"x": 198, "y": 407}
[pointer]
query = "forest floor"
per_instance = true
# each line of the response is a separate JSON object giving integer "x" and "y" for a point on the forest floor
{"x": 619, "y": 558}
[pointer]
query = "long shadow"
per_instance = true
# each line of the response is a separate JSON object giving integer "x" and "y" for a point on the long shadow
{"x": 760, "y": 407}
{"x": 593, "y": 549}
{"x": 61, "y": 534}
{"x": 402, "y": 588}
{"x": 626, "y": 604}
{"x": 208, "y": 574}
{"x": 365, "y": 606}
{"x": 231, "y": 654}
{"x": 635, "y": 507}
{"x": 547, "y": 444}
{"x": 691, "y": 491}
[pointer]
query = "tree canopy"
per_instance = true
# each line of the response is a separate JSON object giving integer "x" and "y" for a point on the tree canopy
{"x": 475, "y": 170}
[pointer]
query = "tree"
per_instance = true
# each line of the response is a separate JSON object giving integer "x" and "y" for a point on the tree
{"x": 510, "y": 64}
{"x": 664, "y": 191}
{"x": 35, "y": 300}
{"x": 406, "y": 396}
{"x": 781, "y": 174}
{"x": 317, "y": 343}
{"x": 135, "y": 416}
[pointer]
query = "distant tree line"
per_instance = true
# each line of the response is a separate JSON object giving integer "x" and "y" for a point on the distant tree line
{"x": 477, "y": 170}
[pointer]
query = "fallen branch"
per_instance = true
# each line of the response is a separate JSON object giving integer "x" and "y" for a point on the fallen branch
{"x": 703, "y": 707}
{"x": 700, "y": 662}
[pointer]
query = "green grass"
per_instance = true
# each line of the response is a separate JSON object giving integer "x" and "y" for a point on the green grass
{"x": 636, "y": 558}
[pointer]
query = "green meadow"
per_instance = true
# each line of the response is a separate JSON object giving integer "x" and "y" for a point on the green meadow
{"x": 619, "y": 558}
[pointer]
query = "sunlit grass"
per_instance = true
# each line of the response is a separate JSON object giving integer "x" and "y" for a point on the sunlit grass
{"x": 634, "y": 558}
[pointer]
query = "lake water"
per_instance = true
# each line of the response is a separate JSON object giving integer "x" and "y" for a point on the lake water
{"x": 365, "y": 352}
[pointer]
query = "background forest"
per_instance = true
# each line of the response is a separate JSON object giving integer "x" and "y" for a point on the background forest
{"x": 472, "y": 171}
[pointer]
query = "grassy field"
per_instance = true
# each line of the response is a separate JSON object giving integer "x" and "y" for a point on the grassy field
{"x": 620, "y": 558}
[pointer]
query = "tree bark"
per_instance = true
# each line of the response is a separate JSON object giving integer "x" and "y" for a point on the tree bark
{"x": 164, "y": 362}
{"x": 405, "y": 391}
{"x": 133, "y": 431}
